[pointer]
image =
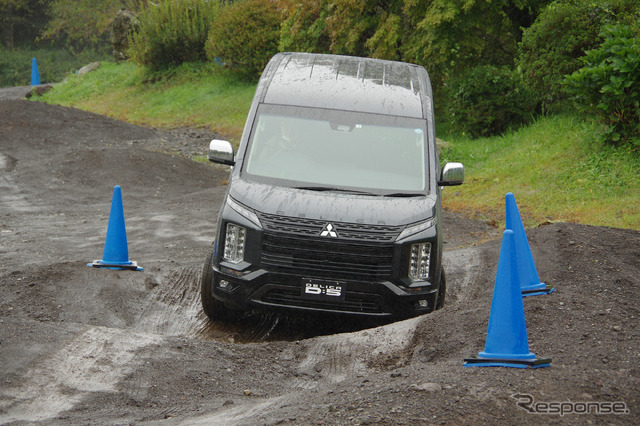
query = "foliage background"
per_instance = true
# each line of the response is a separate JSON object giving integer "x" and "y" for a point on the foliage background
{"x": 173, "y": 32}
{"x": 608, "y": 86}
{"x": 553, "y": 45}
{"x": 245, "y": 36}
{"x": 493, "y": 64}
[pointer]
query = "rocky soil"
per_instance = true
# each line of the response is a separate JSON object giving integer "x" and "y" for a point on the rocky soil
{"x": 80, "y": 345}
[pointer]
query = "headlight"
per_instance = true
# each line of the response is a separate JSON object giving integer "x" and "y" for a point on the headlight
{"x": 234, "y": 243}
{"x": 419, "y": 261}
{"x": 243, "y": 211}
{"x": 415, "y": 228}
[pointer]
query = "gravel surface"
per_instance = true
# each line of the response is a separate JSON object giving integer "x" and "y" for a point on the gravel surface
{"x": 80, "y": 345}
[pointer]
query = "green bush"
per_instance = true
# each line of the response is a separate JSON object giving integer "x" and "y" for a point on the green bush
{"x": 245, "y": 36}
{"x": 608, "y": 85}
{"x": 487, "y": 100}
{"x": 172, "y": 32}
{"x": 552, "y": 46}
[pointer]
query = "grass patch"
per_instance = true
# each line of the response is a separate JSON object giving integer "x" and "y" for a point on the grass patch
{"x": 555, "y": 169}
{"x": 189, "y": 95}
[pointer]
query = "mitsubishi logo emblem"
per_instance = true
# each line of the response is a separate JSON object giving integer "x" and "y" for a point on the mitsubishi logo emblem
{"x": 329, "y": 231}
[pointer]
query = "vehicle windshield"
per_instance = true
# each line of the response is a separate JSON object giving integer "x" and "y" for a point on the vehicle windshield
{"x": 337, "y": 150}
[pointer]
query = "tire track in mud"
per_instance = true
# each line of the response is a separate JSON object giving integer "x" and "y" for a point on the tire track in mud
{"x": 463, "y": 267}
{"x": 98, "y": 359}
{"x": 173, "y": 308}
{"x": 335, "y": 358}
{"x": 93, "y": 361}
{"x": 259, "y": 328}
{"x": 326, "y": 361}
{"x": 7, "y": 162}
{"x": 13, "y": 196}
{"x": 247, "y": 413}
{"x": 173, "y": 305}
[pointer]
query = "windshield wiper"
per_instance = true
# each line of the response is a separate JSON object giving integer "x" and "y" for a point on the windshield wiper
{"x": 404, "y": 194}
{"x": 334, "y": 189}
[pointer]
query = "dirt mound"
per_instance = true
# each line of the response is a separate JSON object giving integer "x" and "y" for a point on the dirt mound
{"x": 81, "y": 345}
{"x": 41, "y": 125}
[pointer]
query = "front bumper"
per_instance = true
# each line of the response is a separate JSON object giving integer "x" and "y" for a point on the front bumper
{"x": 281, "y": 291}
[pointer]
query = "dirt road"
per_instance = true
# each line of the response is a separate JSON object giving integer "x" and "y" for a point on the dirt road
{"x": 80, "y": 345}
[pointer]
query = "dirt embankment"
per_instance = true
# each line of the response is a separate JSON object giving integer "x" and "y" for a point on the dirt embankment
{"x": 80, "y": 345}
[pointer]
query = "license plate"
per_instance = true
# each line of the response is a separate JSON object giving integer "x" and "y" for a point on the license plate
{"x": 323, "y": 289}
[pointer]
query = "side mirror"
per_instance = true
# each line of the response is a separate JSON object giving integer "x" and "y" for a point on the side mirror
{"x": 452, "y": 174}
{"x": 221, "y": 152}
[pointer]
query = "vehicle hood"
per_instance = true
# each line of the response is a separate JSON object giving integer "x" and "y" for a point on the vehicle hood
{"x": 332, "y": 206}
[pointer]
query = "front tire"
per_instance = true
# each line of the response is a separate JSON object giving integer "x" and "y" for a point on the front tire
{"x": 215, "y": 309}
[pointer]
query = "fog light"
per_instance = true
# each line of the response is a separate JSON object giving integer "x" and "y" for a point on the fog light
{"x": 423, "y": 304}
{"x": 227, "y": 286}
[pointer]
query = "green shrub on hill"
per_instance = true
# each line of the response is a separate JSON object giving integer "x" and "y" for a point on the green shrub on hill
{"x": 552, "y": 46}
{"x": 172, "y": 32}
{"x": 245, "y": 36}
{"x": 608, "y": 86}
{"x": 487, "y": 100}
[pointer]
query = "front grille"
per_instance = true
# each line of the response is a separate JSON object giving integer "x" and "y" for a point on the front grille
{"x": 345, "y": 230}
{"x": 295, "y": 246}
{"x": 326, "y": 258}
{"x": 292, "y": 297}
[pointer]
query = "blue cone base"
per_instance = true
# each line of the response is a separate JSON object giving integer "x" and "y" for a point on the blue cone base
{"x": 129, "y": 266}
{"x": 512, "y": 363}
{"x": 537, "y": 290}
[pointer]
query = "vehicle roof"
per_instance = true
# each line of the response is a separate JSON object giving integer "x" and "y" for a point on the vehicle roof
{"x": 347, "y": 83}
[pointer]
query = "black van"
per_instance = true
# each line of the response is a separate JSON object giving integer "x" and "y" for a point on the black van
{"x": 334, "y": 200}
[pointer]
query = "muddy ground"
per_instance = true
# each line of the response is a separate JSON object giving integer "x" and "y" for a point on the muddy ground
{"x": 80, "y": 345}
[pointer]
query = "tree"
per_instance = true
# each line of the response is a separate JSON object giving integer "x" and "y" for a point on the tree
{"x": 353, "y": 23}
{"x": 446, "y": 36}
{"x": 451, "y": 36}
{"x": 20, "y": 21}
{"x": 81, "y": 22}
{"x": 304, "y": 26}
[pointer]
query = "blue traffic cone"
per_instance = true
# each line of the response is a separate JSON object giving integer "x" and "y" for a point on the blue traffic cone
{"x": 35, "y": 76}
{"x": 530, "y": 284}
{"x": 507, "y": 344}
{"x": 116, "y": 253}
